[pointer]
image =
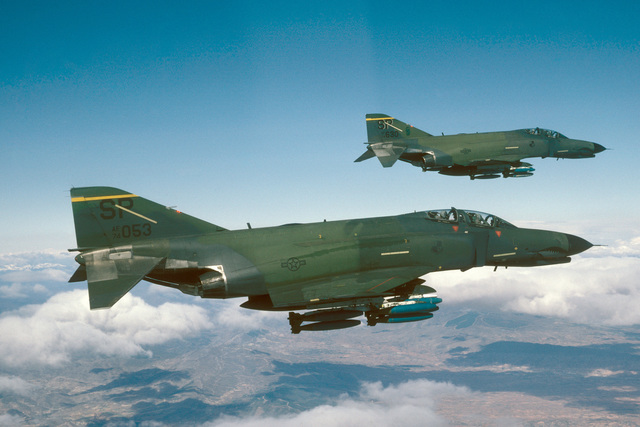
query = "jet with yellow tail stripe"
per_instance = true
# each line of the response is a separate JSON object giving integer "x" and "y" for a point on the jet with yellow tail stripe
{"x": 477, "y": 155}
{"x": 332, "y": 270}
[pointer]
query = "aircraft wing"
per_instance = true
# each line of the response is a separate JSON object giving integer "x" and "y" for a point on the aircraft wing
{"x": 345, "y": 287}
{"x": 492, "y": 162}
{"x": 366, "y": 155}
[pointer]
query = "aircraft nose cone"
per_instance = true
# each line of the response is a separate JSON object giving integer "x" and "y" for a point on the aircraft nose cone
{"x": 597, "y": 148}
{"x": 577, "y": 244}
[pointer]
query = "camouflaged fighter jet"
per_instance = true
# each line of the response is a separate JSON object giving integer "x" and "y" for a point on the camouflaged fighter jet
{"x": 334, "y": 270}
{"x": 477, "y": 155}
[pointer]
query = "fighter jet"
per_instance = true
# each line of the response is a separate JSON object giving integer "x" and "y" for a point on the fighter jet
{"x": 477, "y": 155}
{"x": 331, "y": 271}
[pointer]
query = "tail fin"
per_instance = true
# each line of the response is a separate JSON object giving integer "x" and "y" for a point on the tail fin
{"x": 388, "y": 138}
{"x": 384, "y": 128}
{"x": 121, "y": 239}
{"x": 108, "y": 217}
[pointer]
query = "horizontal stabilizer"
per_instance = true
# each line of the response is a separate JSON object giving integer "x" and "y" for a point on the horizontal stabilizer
{"x": 80, "y": 275}
{"x": 366, "y": 155}
{"x": 112, "y": 274}
{"x": 387, "y": 153}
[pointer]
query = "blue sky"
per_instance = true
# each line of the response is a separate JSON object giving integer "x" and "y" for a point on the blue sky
{"x": 252, "y": 112}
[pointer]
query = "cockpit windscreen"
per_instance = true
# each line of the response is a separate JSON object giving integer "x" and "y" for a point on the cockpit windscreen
{"x": 473, "y": 218}
{"x": 546, "y": 133}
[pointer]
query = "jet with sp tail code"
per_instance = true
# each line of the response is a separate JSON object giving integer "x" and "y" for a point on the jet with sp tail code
{"x": 477, "y": 155}
{"x": 331, "y": 271}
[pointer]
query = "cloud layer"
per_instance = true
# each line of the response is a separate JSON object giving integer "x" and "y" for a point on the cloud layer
{"x": 599, "y": 286}
{"x": 54, "y": 332}
{"x": 409, "y": 403}
{"x": 24, "y": 274}
{"x": 16, "y": 386}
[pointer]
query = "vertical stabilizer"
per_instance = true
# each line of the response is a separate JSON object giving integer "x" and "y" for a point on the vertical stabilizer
{"x": 389, "y": 138}
{"x": 107, "y": 217}
{"x": 384, "y": 128}
{"x": 122, "y": 237}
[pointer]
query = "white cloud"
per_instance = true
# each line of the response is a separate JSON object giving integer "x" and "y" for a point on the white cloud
{"x": 32, "y": 276}
{"x": 64, "y": 327}
{"x": 628, "y": 248}
{"x": 409, "y": 403}
{"x": 14, "y": 290}
{"x": 50, "y": 258}
{"x": 23, "y": 274}
{"x": 603, "y": 373}
{"x": 601, "y": 288}
{"x": 15, "y": 385}
{"x": 9, "y": 420}
{"x": 231, "y": 315}
{"x": 20, "y": 290}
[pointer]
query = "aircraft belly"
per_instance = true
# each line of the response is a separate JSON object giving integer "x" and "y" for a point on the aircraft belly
{"x": 364, "y": 269}
{"x": 320, "y": 270}
{"x": 351, "y": 286}
{"x": 467, "y": 149}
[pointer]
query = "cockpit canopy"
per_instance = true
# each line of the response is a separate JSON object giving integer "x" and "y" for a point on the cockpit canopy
{"x": 545, "y": 132}
{"x": 473, "y": 218}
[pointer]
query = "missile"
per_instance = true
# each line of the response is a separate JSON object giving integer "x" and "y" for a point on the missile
{"x": 414, "y": 307}
{"x": 521, "y": 171}
{"x": 486, "y": 176}
{"x": 428, "y": 300}
{"x": 329, "y": 315}
{"x": 324, "y": 320}
{"x": 404, "y": 319}
{"x": 328, "y": 326}
{"x": 411, "y": 309}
